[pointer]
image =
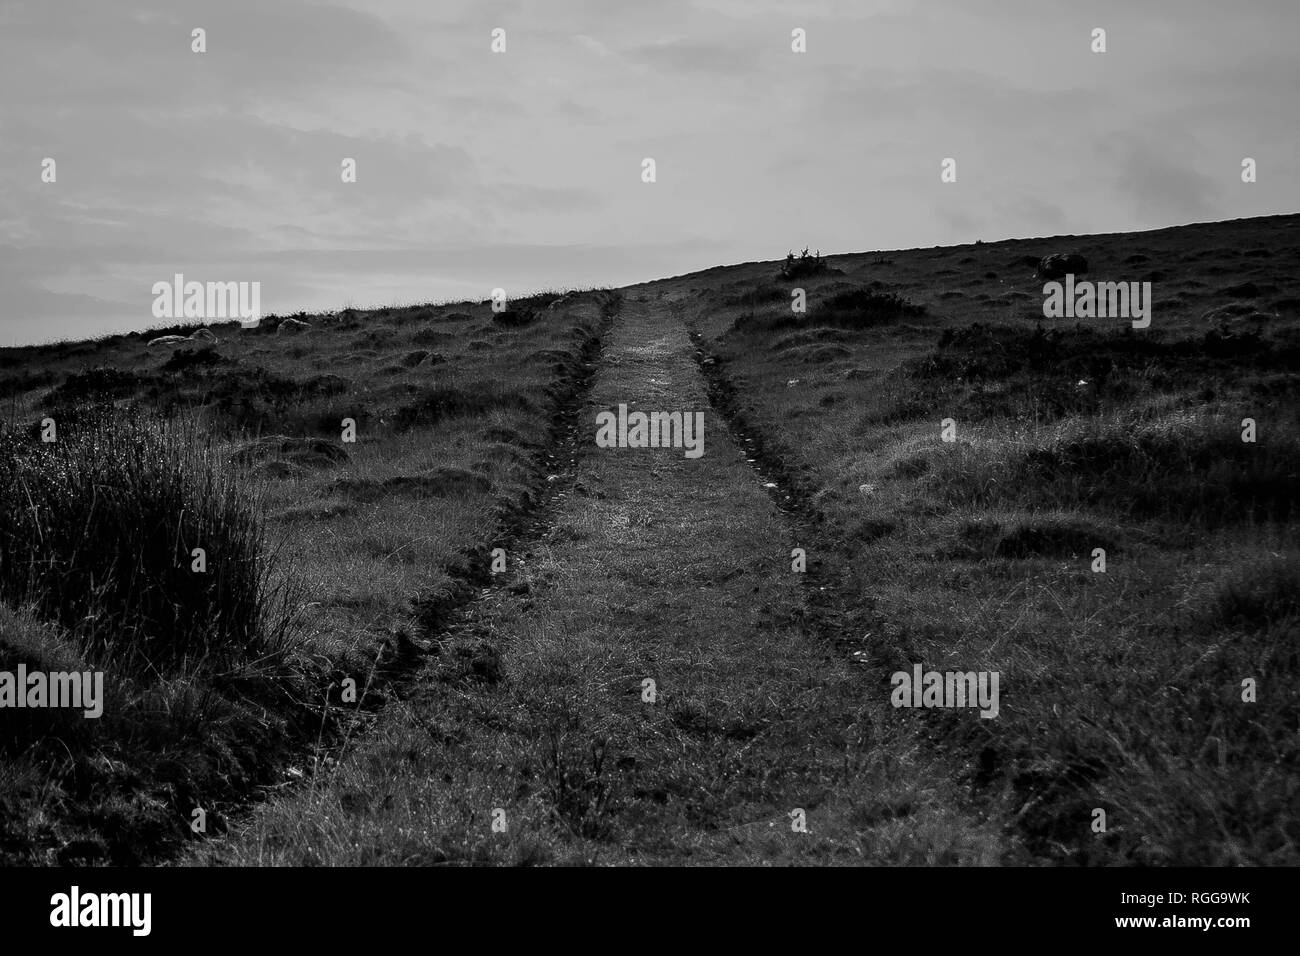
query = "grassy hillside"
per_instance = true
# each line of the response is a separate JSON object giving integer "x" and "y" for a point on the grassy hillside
{"x": 1067, "y": 503}
{"x": 328, "y": 560}
{"x": 659, "y": 691}
{"x": 1121, "y": 690}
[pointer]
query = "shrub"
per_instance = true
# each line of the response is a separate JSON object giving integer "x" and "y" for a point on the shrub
{"x": 865, "y": 308}
{"x": 96, "y": 533}
{"x": 524, "y": 311}
{"x": 854, "y": 310}
{"x": 804, "y": 265}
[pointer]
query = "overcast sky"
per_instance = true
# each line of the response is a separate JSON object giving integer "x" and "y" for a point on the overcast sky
{"x": 523, "y": 169}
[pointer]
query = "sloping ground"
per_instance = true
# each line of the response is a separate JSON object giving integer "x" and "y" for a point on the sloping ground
{"x": 378, "y": 540}
{"x": 533, "y": 735}
{"x": 1149, "y": 705}
{"x": 1160, "y": 687}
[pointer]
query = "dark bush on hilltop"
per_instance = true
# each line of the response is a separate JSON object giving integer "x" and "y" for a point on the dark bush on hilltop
{"x": 524, "y": 311}
{"x": 97, "y": 531}
{"x": 802, "y": 265}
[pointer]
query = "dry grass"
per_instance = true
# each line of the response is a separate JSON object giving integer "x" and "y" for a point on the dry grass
{"x": 1121, "y": 690}
{"x": 659, "y": 568}
{"x": 380, "y": 539}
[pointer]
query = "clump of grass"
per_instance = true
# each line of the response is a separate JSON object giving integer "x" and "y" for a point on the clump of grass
{"x": 44, "y": 647}
{"x": 203, "y": 686}
{"x": 434, "y": 403}
{"x": 98, "y": 530}
{"x": 1178, "y": 467}
{"x": 524, "y": 311}
{"x": 579, "y": 786}
{"x": 255, "y": 399}
{"x": 865, "y": 308}
{"x": 853, "y": 309}
{"x": 802, "y": 265}
{"x": 611, "y": 300}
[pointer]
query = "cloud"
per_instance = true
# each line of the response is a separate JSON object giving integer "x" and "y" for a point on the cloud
{"x": 594, "y": 45}
{"x": 522, "y": 168}
{"x": 685, "y": 55}
{"x": 1163, "y": 188}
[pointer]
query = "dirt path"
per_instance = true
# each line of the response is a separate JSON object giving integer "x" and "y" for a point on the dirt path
{"x": 535, "y": 734}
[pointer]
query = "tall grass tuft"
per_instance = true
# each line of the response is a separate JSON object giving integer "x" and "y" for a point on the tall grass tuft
{"x": 98, "y": 531}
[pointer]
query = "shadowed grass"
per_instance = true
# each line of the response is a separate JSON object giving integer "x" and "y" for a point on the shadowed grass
{"x": 201, "y": 681}
{"x": 99, "y": 531}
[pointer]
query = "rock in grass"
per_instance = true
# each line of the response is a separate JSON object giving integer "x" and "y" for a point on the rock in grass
{"x": 1062, "y": 264}
{"x": 292, "y": 327}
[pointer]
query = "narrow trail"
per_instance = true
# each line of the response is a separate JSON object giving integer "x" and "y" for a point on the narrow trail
{"x": 645, "y": 686}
